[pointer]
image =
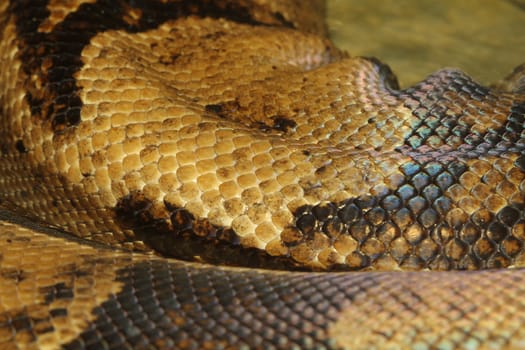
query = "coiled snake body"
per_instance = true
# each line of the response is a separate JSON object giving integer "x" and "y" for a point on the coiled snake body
{"x": 168, "y": 135}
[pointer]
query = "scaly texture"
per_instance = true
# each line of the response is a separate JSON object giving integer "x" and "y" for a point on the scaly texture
{"x": 233, "y": 132}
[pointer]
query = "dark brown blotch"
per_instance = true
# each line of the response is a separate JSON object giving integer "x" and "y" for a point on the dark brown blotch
{"x": 324, "y": 211}
{"x": 49, "y": 59}
{"x": 349, "y": 212}
{"x": 168, "y": 60}
{"x": 182, "y": 220}
{"x": 58, "y": 291}
{"x": 223, "y": 109}
{"x": 497, "y": 232}
{"x": 58, "y": 312}
{"x": 307, "y": 224}
{"x": 21, "y": 323}
{"x": 20, "y": 147}
{"x": 508, "y": 216}
{"x": 175, "y": 232}
{"x": 283, "y": 124}
{"x": 12, "y": 274}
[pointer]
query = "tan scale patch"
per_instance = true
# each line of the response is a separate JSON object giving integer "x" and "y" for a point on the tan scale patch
{"x": 150, "y": 127}
{"x": 209, "y": 165}
{"x": 433, "y": 310}
{"x": 35, "y": 268}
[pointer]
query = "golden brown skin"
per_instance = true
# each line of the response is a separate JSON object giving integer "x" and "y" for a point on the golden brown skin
{"x": 234, "y": 132}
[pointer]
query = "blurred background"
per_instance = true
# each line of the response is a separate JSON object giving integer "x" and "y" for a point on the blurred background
{"x": 485, "y": 38}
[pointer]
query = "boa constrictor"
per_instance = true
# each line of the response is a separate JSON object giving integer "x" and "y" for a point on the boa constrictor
{"x": 168, "y": 136}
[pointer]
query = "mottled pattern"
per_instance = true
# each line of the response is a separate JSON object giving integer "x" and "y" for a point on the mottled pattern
{"x": 60, "y": 291}
{"x": 234, "y": 132}
{"x": 57, "y": 291}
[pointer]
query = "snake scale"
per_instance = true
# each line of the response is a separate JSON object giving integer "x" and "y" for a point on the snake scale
{"x": 168, "y": 136}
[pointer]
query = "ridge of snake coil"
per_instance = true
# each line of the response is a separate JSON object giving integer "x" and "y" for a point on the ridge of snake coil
{"x": 166, "y": 134}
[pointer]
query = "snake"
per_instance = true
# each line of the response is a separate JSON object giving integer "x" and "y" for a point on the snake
{"x": 219, "y": 175}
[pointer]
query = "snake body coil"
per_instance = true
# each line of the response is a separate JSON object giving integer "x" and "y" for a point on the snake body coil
{"x": 167, "y": 135}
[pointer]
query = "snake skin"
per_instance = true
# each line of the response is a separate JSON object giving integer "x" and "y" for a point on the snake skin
{"x": 143, "y": 141}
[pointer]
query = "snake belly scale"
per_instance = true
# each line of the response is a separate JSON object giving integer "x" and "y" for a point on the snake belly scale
{"x": 219, "y": 175}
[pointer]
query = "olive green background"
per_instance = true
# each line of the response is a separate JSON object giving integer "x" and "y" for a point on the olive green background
{"x": 485, "y": 38}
